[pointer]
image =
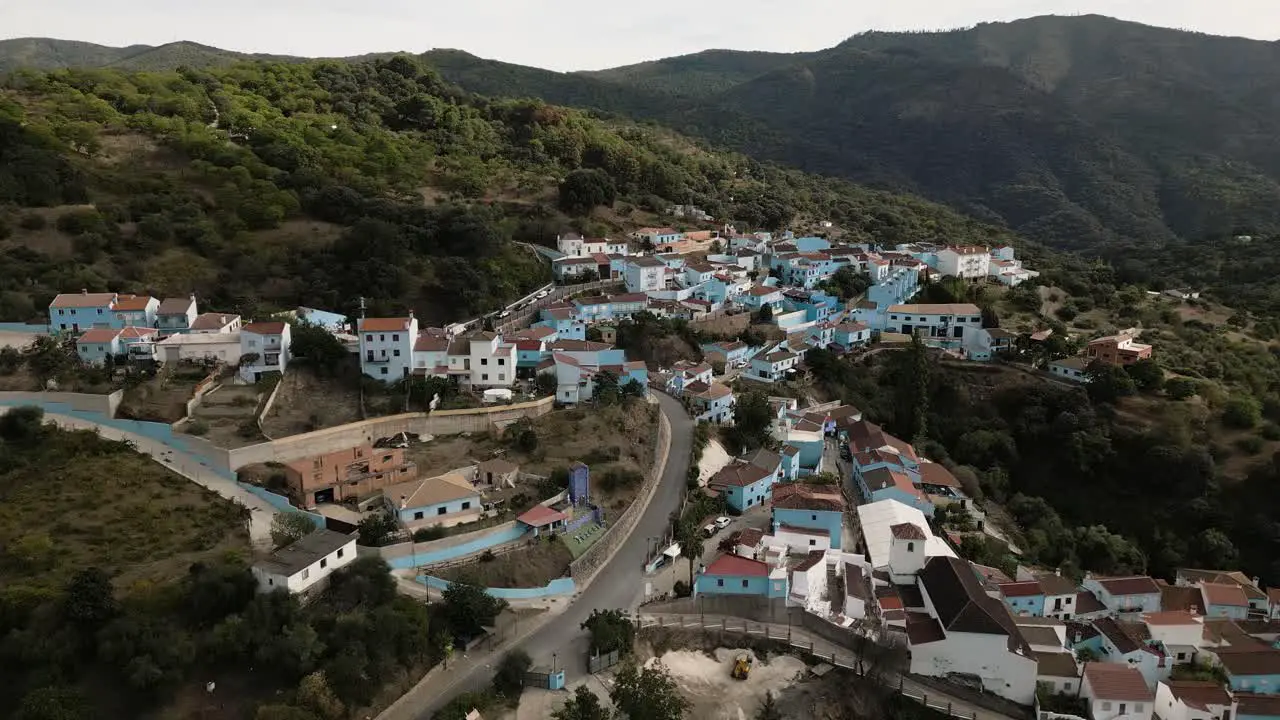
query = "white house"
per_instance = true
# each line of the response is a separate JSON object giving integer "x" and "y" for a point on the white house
{"x": 939, "y": 321}
{"x": 857, "y": 591}
{"x": 1070, "y": 368}
{"x": 645, "y": 274}
{"x": 774, "y": 366}
{"x": 306, "y": 563}
{"x": 876, "y": 521}
{"x": 574, "y": 245}
{"x": 658, "y": 236}
{"x": 264, "y": 348}
{"x": 970, "y": 262}
{"x": 216, "y": 323}
{"x": 1058, "y": 671}
{"x": 386, "y": 346}
{"x": 194, "y": 347}
{"x": 1180, "y": 631}
{"x": 1194, "y": 700}
{"x": 489, "y": 361}
{"x": 1116, "y": 692}
{"x": 808, "y": 586}
{"x": 965, "y": 630}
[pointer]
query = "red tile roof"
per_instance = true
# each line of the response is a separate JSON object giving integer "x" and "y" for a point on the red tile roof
{"x": 431, "y": 343}
{"x": 1199, "y": 694}
{"x": 802, "y": 496}
{"x": 738, "y": 474}
{"x": 935, "y": 474}
{"x": 1021, "y": 589}
{"x": 83, "y": 300}
{"x": 906, "y": 531}
{"x": 737, "y": 565}
{"x": 378, "y": 324}
{"x": 1222, "y": 594}
{"x": 264, "y": 328}
{"x": 213, "y": 321}
{"x": 1170, "y": 617}
{"x": 541, "y": 516}
{"x": 750, "y": 537}
{"x": 527, "y": 345}
{"x": 1131, "y": 585}
{"x": 1110, "y": 681}
{"x": 99, "y": 335}
{"x": 133, "y": 302}
{"x": 138, "y": 332}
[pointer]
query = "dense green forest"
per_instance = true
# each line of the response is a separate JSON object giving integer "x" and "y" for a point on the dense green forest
{"x": 269, "y": 185}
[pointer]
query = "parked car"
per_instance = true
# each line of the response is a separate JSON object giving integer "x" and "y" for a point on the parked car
{"x": 709, "y": 530}
{"x": 542, "y": 293}
{"x": 722, "y": 522}
{"x": 845, "y": 452}
{"x": 504, "y": 313}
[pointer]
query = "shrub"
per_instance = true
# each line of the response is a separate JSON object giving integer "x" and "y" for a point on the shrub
{"x": 680, "y": 589}
{"x": 32, "y": 221}
{"x": 197, "y": 427}
{"x": 1241, "y": 412}
{"x": 427, "y": 534}
{"x": 1270, "y": 431}
{"x": 1251, "y": 444}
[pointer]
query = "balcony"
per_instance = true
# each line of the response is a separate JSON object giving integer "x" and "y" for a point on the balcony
{"x": 374, "y": 359}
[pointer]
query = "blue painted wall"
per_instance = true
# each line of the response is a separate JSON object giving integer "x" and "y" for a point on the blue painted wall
{"x": 739, "y": 585}
{"x": 1264, "y": 684}
{"x": 419, "y": 558}
{"x": 753, "y": 495}
{"x": 830, "y": 521}
{"x": 1032, "y": 605}
{"x": 439, "y": 510}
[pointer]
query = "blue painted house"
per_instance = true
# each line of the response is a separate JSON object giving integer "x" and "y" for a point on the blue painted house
{"x": 811, "y": 244}
{"x": 1023, "y": 598}
{"x": 564, "y": 321}
{"x": 445, "y": 500}
{"x": 893, "y": 483}
{"x": 817, "y": 305}
{"x": 727, "y": 353}
{"x": 78, "y": 312}
{"x": 1253, "y": 706}
{"x": 851, "y": 334}
{"x": 1223, "y": 600}
{"x": 790, "y": 461}
{"x": 742, "y": 485}
{"x": 95, "y": 346}
{"x": 813, "y": 507}
{"x": 1250, "y": 669}
{"x": 735, "y": 575}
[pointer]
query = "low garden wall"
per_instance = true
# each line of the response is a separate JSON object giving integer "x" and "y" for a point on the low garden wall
{"x": 438, "y": 422}
{"x": 404, "y": 556}
{"x": 559, "y": 586}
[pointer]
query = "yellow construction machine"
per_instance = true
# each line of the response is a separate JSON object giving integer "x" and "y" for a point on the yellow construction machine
{"x": 741, "y": 667}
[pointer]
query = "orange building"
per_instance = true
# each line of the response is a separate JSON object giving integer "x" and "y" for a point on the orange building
{"x": 1117, "y": 350}
{"x": 351, "y": 474}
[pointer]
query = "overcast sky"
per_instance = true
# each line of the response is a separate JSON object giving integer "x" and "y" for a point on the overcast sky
{"x": 570, "y": 34}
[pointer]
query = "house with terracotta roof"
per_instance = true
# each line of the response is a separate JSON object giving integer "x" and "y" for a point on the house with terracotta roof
{"x": 1058, "y": 671}
{"x": 775, "y": 366}
{"x": 83, "y": 311}
{"x": 1259, "y": 602}
{"x": 93, "y": 347}
{"x": 1195, "y": 700}
{"x": 444, "y": 500}
{"x": 1130, "y": 644}
{"x": 1251, "y": 667}
{"x": 1116, "y": 692}
{"x": 175, "y": 315}
{"x": 710, "y": 402}
{"x": 756, "y": 297}
{"x": 1121, "y": 349}
{"x": 542, "y": 519}
{"x": 387, "y": 346}
{"x": 644, "y": 274}
{"x": 890, "y": 483}
{"x": 818, "y": 508}
{"x": 964, "y": 630}
{"x": 1125, "y": 595}
{"x": 264, "y": 348}
{"x": 735, "y": 575}
{"x": 967, "y": 262}
{"x": 726, "y": 352}
{"x": 742, "y": 485}
{"x": 1224, "y": 600}
{"x": 1256, "y": 706}
{"x": 1181, "y": 632}
{"x": 1023, "y": 597}
{"x": 213, "y": 323}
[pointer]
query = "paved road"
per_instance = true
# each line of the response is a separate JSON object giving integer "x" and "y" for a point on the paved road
{"x": 619, "y": 584}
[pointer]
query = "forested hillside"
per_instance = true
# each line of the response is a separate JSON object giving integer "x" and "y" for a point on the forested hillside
{"x": 269, "y": 185}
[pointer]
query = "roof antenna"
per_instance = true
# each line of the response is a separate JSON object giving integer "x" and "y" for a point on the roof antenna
{"x": 362, "y": 306}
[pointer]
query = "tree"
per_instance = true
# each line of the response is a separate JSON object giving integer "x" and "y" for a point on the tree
{"x": 1180, "y": 388}
{"x": 648, "y": 693}
{"x": 467, "y": 609}
{"x": 508, "y": 681}
{"x": 606, "y": 390}
{"x": 1108, "y": 383}
{"x": 546, "y": 383}
{"x": 48, "y": 358}
{"x": 324, "y": 353}
{"x": 990, "y": 318}
{"x": 315, "y": 694}
{"x": 765, "y": 315}
{"x": 584, "y": 705}
{"x": 22, "y": 425}
{"x": 689, "y": 535}
{"x": 290, "y": 527}
{"x": 213, "y": 592}
{"x": 376, "y": 529}
{"x": 752, "y": 418}
{"x": 911, "y": 393}
{"x": 768, "y": 708}
{"x": 1146, "y": 374}
{"x": 585, "y": 189}
{"x": 53, "y": 703}
{"x": 364, "y": 583}
{"x": 279, "y": 711}
{"x": 151, "y": 652}
{"x": 611, "y": 630}
{"x": 88, "y": 600}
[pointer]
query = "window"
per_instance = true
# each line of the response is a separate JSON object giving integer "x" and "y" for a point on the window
{"x": 382, "y": 338}
{"x": 484, "y": 376}
{"x": 911, "y": 547}
{"x": 340, "y": 551}
{"x": 1066, "y": 685}
{"x": 324, "y": 563}
{"x": 744, "y": 583}
{"x": 306, "y": 574}
{"x": 384, "y": 371}
{"x": 441, "y": 510}
{"x": 719, "y": 582}
{"x": 502, "y": 361}
{"x": 271, "y": 581}
{"x": 812, "y": 542}
{"x": 396, "y": 352}
{"x": 395, "y": 337}
{"x": 466, "y": 505}
{"x": 417, "y": 515}
{"x": 501, "y": 376}
{"x": 813, "y": 517}
{"x": 1106, "y": 705}
{"x": 99, "y": 311}
{"x": 368, "y": 338}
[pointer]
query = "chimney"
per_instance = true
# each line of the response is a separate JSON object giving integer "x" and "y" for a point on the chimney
{"x": 84, "y": 291}
{"x": 410, "y": 313}
{"x": 403, "y": 502}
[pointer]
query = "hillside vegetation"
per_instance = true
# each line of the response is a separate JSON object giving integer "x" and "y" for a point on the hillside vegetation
{"x": 270, "y": 185}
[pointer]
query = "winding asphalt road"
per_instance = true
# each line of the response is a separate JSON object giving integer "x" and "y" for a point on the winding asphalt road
{"x": 618, "y": 585}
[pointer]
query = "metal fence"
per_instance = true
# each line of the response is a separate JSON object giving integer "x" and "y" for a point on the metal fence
{"x": 848, "y": 661}
{"x": 599, "y": 663}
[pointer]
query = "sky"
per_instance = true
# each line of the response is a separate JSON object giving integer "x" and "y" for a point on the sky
{"x": 571, "y": 34}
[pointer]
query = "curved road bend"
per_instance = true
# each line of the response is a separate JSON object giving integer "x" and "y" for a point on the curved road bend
{"x": 618, "y": 585}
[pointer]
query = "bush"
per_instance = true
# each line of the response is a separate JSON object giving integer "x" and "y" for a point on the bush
{"x": 32, "y": 221}
{"x": 1251, "y": 444}
{"x": 1181, "y": 388}
{"x": 427, "y": 534}
{"x": 680, "y": 589}
{"x": 1241, "y": 412}
{"x": 508, "y": 681}
{"x": 197, "y": 427}
{"x": 1270, "y": 431}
